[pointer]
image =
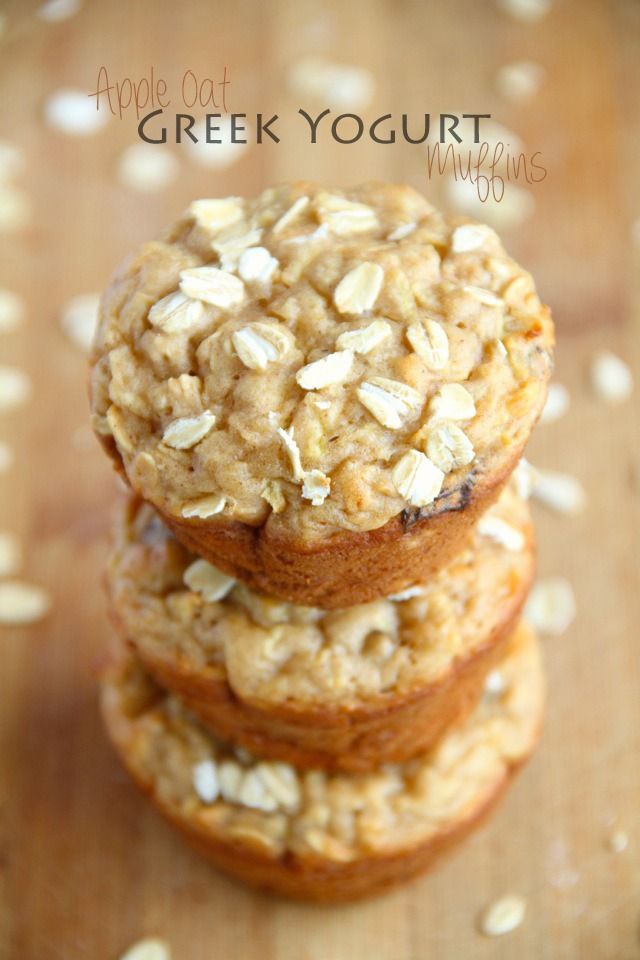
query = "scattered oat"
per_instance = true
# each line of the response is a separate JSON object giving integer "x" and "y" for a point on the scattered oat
{"x": 117, "y": 427}
{"x": 15, "y": 208}
{"x": 267, "y": 786}
{"x": 205, "y": 507}
{"x": 408, "y": 594}
{"x": 10, "y": 554}
{"x": 430, "y": 342}
{"x": 334, "y": 368}
{"x": 503, "y": 915}
{"x": 344, "y": 217}
{"x": 147, "y": 167}
{"x": 560, "y": 869}
{"x": 365, "y": 339}
{"x": 11, "y": 160}
{"x": 230, "y": 779}
{"x": 515, "y": 207}
{"x": 205, "y": 781}
{"x": 517, "y": 289}
{"x": 611, "y": 378}
{"x": 12, "y": 311}
{"x": 290, "y": 215}
{"x": 6, "y": 457}
{"x": 260, "y": 344}
{"x": 618, "y": 841}
{"x": 501, "y": 532}
{"x": 417, "y": 479}
{"x": 557, "y": 403}
{"x": 281, "y": 781}
{"x": 320, "y": 233}
{"x": 551, "y": 607}
{"x": 390, "y": 401}
{"x": 359, "y": 288}
{"x": 256, "y": 265}
{"x": 523, "y": 477}
{"x": 559, "y": 491}
{"x": 487, "y": 297}
{"x": 231, "y": 243}
{"x": 217, "y": 213}
{"x": 214, "y": 286}
{"x": 22, "y": 603}
{"x": 185, "y": 432}
{"x": 316, "y": 487}
{"x": 176, "y": 312}
{"x": 54, "y": 11}
{"x": 15, "y": 388}
{"x": 332, "y": 84}
{"x": 293, "y": 451}
{"x": 79, "y": 319}
{"x": 495, "y": 684}
{"x": 151, "y": 948}
{"x": 221, "y": 154}
{"x": 402, "y": 231}
{"x": 453, "y": 402}
{"x": 469, "y": 236}
{"x": 74, "y": 112}
{"x": 253, "y": 793}
{"x": 527, "y": 11}
{"x": 449, "y": 447}
{"x": 203, "y": 578}
{"x": 520, "y": 82}
{"x": 272, "y": 493}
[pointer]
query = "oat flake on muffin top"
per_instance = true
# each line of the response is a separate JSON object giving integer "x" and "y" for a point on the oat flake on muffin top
{"x": 318, "y": 360}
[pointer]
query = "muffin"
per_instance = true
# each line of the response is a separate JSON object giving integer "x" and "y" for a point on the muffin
{"x": 310, "y": 834}
{"x": 320, "y": 391}
{"x": 342, "y": 689}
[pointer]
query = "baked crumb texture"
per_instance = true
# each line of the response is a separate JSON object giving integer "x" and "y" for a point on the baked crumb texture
{"x": 318, "y": 398}
{"x": 317, "y": 835}
{"x": 343, "y": 689}
{"x": 320, "y": 391}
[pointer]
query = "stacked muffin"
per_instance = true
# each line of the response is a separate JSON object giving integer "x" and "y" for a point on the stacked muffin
{"x": 318, "y": 398}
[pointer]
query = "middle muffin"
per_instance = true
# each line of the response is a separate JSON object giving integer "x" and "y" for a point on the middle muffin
{"x": 340, "y": 689}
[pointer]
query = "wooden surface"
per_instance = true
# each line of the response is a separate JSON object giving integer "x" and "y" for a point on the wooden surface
{"x": 86, "y": 867}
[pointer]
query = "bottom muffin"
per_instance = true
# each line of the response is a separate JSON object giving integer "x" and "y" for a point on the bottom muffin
{"x": 314, "y": 835}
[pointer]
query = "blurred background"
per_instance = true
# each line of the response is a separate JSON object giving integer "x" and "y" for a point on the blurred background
{"x": 85, "y": 868}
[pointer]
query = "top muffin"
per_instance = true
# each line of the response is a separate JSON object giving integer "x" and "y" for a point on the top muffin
{"x": 317, "y": 360}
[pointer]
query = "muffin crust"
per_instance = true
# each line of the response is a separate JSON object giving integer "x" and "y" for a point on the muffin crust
{"x": 284, "y": 377}
{"x": 315, "y": 836}
{"x": 345, "y": 689}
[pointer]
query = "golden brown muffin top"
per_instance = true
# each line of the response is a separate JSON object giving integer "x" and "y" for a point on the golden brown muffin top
{"x": 318, "y": 360}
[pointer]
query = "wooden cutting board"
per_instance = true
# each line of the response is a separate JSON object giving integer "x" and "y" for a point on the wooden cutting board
{"x": 86, "y": 867}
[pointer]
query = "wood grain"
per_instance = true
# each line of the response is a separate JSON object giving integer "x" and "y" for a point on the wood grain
{"x": 85, "y": 867}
